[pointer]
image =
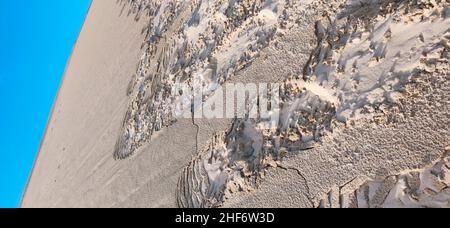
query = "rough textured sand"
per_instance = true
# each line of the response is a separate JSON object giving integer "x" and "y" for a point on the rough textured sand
{"x": 363, "y": 121}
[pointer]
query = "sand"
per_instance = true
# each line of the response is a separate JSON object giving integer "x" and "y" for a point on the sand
{"x": 76, "y": 154}
{"x": 363, "y": 120}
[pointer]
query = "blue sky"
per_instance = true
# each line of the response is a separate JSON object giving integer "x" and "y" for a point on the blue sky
{"x": 36, "y": 40}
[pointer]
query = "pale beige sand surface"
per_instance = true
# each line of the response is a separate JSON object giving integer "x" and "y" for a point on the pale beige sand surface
{"x": 75, "y": 157}
{"x": 363, "y": 122}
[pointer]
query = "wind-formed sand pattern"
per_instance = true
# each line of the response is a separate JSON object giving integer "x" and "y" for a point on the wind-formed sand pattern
{"x": 426, "y": 187}
{"x": 187, "y": 38}
{"x": 372, "y": 58}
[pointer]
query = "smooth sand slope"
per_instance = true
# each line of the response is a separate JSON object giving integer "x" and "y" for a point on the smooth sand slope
{"x": 75, "y": 166}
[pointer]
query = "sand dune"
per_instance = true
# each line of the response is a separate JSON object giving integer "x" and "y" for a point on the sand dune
{"x": 363, "y": 94}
